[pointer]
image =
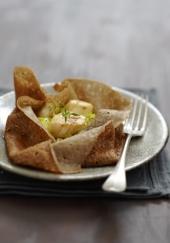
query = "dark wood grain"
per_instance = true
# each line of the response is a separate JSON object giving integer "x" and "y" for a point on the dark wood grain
{"x": 125, "y": 43}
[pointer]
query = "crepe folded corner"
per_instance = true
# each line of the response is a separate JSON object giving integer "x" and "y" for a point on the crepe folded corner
{"x": 26, "y": 84}
{"x": 30, "y": 144}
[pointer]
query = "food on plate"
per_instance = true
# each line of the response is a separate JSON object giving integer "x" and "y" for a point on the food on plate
{"x": 66, "y": 126}
{"x": 67, "y": 129}
{"x": 80, "y": 107}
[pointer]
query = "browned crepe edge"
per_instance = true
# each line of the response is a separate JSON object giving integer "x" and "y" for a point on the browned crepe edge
{"x": 108, "y": 147}
{"x": 24, "y": 148}
{"x": 99, "y": 94}
{"x": 38, "y": 157}
{"x": 26, "y": 84}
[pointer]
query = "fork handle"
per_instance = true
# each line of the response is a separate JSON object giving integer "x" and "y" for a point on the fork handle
{"x": 116, "y": 182}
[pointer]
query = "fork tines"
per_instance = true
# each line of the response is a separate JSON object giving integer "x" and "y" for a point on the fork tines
{"x": 136, "y": 122}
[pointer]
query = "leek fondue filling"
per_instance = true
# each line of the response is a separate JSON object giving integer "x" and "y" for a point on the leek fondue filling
{"x": 71, "y": 119}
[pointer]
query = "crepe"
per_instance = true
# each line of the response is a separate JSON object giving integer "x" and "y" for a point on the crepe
{"x": 30, "y": 144}
{"x": 26, "y": 84}
{"x": 99, "y": 94}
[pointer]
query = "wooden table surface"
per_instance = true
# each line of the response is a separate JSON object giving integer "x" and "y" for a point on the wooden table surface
{"x": 125, "y": 43}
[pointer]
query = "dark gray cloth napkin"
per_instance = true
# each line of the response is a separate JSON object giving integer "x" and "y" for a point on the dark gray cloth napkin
{"x": 151, "y": 180}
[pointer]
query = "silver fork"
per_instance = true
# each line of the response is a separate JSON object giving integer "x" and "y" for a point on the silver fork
{"x": 134, "y": 126}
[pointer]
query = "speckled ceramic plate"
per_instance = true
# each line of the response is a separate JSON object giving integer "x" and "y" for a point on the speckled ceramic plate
{"x": 140, "y": 151}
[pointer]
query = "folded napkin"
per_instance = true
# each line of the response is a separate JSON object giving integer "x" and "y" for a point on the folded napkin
{"x": 151, "y": 180}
